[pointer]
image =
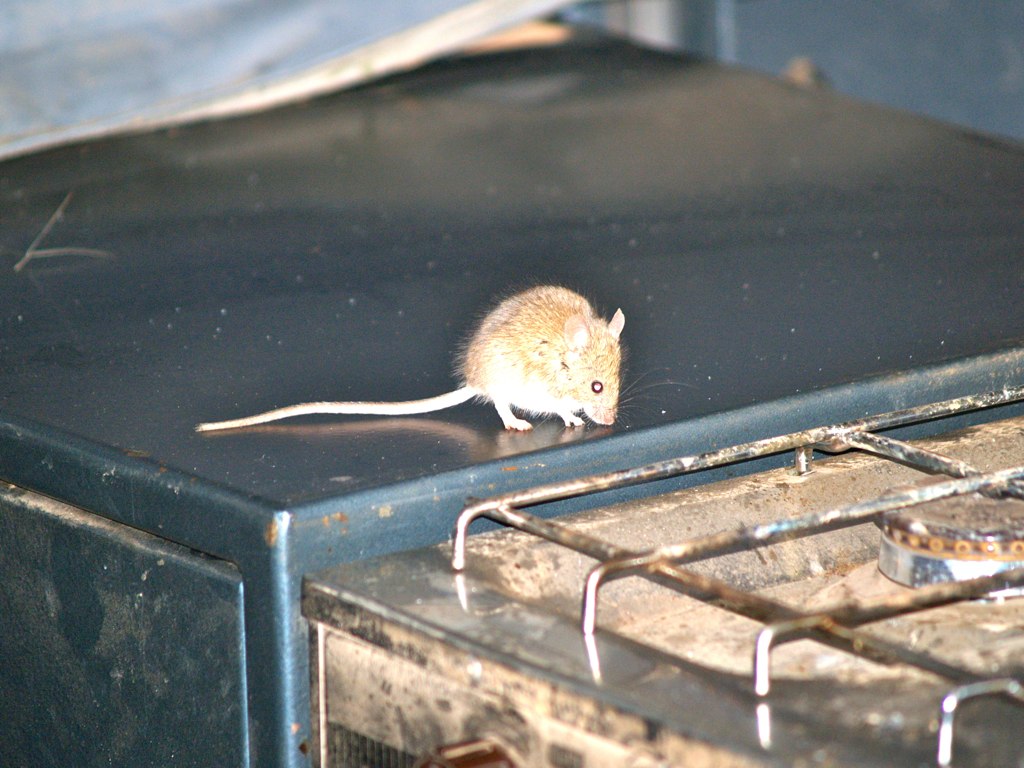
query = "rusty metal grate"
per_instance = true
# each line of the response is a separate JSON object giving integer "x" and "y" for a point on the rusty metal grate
{"x": 784, "y": 623}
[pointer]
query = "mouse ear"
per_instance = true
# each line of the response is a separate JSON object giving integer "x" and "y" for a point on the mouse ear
{"x": 616, "y": 324}
{"x": 577, "y": 332}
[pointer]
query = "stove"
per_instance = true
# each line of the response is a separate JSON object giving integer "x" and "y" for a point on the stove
{"x": 785, "y": 258}
{"x": 858, "y": 609}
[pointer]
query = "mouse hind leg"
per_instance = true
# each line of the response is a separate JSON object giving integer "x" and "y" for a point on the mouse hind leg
{"x": 510, "y": 419}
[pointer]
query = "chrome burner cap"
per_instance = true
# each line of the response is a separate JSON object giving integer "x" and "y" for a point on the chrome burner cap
{"x": 954, "y": 539}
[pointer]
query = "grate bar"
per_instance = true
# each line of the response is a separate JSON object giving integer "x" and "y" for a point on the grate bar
{"x": 842, "y": 622}
{"x": 924, "y": 460}
{"x": 952, "y": 701}
{"x": 907, "y": 453}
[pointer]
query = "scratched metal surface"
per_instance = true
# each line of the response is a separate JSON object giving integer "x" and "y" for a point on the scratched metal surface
{"x": 117, "y": 641}
{"x": 762, "y": 241}
{"x": 784, "y": 259}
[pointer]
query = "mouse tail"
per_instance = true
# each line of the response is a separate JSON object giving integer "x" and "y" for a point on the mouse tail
{"x": 368, "y": 408}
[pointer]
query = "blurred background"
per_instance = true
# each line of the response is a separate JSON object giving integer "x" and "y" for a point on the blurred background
{"x": 71, "y": 69}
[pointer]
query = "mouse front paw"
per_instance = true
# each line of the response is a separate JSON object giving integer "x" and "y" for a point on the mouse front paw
{"x": 571, "y": 419}
{"x": 510, "y": 419}
{"x": 520, "y": 425}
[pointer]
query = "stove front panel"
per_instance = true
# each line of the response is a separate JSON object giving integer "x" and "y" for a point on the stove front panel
{"x": 118, "y": 646}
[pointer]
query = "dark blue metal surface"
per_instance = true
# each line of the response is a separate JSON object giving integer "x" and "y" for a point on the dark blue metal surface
{"x": 783, "y": 258}
{"x": 118, "y": 647}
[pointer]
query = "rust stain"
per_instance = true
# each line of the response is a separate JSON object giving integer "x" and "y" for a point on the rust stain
{"x": 270, "y": 534}
{"x": 510, "y": 469}
{"x": 337, "y": 517}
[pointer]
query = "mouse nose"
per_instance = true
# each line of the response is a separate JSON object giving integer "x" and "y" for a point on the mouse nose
{"x": 601, "y": 414}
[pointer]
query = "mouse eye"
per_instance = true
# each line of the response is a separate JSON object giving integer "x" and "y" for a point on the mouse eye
{"x": 597, "y": 386}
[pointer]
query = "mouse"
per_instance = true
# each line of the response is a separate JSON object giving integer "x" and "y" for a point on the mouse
{"x": 543, "y": 351}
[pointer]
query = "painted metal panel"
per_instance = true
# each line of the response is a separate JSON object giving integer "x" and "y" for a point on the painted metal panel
{"x": 118, "y": 648}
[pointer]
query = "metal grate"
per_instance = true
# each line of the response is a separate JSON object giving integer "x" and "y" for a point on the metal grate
{"x": 350, "y": 749}
{"x": 784, "y": 623}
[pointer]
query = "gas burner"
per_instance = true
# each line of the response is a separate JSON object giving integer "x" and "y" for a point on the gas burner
{"x": 953, "y": 539}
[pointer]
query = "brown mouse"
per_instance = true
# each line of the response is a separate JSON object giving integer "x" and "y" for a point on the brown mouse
{"x": 543, "y": 351}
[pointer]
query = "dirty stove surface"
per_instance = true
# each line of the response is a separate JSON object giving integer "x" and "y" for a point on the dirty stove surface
{"x": 762, "y": 240}
{"x": 784, "y": 258}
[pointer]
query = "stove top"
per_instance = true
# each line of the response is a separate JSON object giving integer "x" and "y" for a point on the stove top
{"x": 762, "y": 240}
